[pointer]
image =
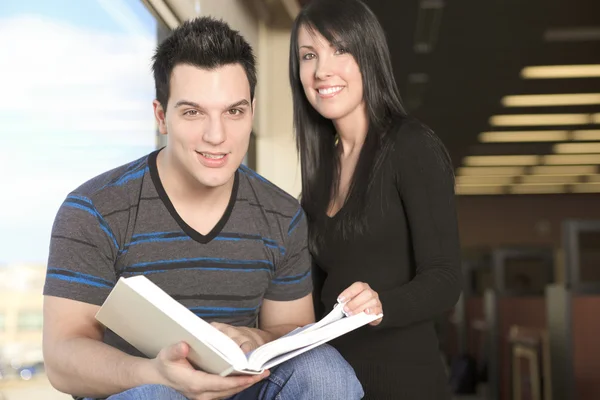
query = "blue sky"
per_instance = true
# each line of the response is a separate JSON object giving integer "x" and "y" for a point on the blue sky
{"x": 78, "y": 102}
{"x": 90, "y": 14}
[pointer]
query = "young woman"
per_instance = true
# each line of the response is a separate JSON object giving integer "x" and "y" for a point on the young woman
{"x": 378, "y": 191}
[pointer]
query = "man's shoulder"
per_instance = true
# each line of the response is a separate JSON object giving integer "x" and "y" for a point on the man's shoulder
{"x": 266, "y": 193}
{"x": 110, "y": 188}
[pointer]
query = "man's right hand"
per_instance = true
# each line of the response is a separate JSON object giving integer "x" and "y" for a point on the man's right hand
{"x": 176, "y": 371}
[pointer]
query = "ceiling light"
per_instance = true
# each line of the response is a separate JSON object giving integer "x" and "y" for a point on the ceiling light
{"x": 564, "y": 169}
{"x": 490, "y": 171}
{"x": 561, "y": 71}
{"x": 573, "y": 34}
{"x": 586, "y": 188}
{"x": 479, "y": 189}
{"x": 524, "y": 136}
{"x": 512, "y": 160}
{"x": 429, "y": 18}
{"x": 571, "y": 159}
{"x": 536, "y": 188}
{"x": 542, "y": 100}
{"x": 586, "y": 134}
{"x": 593, "y": 178}
{"x": 484, "y": 180}
{"x": 541, "y": 119}
{"x": 550, "y": 179}
{"x": 593, "y": 147}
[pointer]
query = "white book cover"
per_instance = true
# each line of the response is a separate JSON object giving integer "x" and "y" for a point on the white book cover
{"x": 149, "y": 319}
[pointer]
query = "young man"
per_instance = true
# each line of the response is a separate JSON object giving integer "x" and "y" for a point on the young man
{"x": 213, "y": 234}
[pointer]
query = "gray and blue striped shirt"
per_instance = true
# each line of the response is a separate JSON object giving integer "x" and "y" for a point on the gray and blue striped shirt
{"x": 122, "y": 223}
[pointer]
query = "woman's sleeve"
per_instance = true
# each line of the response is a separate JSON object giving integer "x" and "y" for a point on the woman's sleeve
{"x": 425, "y": 182}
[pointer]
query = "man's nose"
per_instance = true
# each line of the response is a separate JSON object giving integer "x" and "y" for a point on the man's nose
{"x": 214, "y": 133}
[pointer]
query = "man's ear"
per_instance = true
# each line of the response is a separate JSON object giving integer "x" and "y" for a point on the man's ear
{"x": 160, "y": 115}
{"x": 253, "y": 106}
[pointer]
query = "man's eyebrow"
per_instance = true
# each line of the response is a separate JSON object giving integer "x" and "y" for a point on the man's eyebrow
{"x": 240, "y": 103}
{"x": 186, "y": 103}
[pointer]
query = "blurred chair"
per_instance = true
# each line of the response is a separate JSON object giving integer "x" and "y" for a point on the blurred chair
{"x": 530, "y": 350}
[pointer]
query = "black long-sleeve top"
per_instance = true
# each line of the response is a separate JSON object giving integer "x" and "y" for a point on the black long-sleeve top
{"x": 410, "y": 255}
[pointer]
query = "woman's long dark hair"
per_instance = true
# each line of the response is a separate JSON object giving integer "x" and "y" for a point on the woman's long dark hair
{"x": 353, "y": 26}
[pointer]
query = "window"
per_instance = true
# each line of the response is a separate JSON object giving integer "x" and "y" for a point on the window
{"x": 2, "y": 322}
{"x": 29, "y": 321}
{"x": 76, "y": 101}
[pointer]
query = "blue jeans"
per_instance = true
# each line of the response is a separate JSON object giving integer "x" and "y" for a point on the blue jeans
{"x": 321, "y": 373}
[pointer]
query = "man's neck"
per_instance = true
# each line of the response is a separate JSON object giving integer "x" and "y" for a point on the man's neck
{"x": 184, "y": 191}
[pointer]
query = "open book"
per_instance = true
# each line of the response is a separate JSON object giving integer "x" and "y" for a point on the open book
{"x": 150, "y": 320}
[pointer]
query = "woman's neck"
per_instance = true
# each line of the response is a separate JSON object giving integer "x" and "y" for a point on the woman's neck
{"x": 352, "y": 131}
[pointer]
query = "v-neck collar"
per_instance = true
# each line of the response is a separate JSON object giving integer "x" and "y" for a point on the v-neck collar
{"x": 192, "y": 233}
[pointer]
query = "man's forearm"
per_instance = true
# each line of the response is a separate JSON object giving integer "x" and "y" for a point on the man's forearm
{"x": 268, "y": 334}
{"x": 86, "y": 367}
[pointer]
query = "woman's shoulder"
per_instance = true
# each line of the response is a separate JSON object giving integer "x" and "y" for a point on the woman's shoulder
{"x": 415, "y": 143}
{"x": 410, "y": 134}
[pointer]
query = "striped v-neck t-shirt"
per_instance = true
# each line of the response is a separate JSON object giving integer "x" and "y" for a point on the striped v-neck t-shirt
{"x": 122, "y": 224}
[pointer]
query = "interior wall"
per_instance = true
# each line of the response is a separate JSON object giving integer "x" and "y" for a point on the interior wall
{"x": 493, "y": 221}
{"x": 277, "y": 158}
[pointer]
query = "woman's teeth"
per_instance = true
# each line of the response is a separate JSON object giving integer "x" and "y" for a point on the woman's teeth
{"x": 330, "y": 90}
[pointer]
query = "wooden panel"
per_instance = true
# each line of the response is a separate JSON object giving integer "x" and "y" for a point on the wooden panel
{"x": 527, "y": 220}
{"x": 586, "y": 346}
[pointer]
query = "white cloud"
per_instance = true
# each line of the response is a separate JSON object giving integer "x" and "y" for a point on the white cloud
{"x": 42, "y": 56}
{"x": 75, "y": 103}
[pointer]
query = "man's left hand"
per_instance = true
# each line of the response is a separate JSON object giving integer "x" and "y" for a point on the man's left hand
{"x": 248, "y": 339}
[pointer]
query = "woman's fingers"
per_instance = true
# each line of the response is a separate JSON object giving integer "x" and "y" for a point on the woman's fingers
{"x": 352, "y": 291}
{"x": 365, "y": 299}
{"x": 360, "y": 297}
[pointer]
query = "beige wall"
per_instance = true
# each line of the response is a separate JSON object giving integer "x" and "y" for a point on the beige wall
{"x": 276, "y": 151}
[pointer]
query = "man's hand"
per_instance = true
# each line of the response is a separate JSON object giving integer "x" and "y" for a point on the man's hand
{"x": 175, "y": 371}
{"x": 247, "y": 338}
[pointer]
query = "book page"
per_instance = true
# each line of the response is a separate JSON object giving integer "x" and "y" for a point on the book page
{"x": 334, "y": 315}
{"x": 289, "y": 355}
{"x": 307, "y": 338}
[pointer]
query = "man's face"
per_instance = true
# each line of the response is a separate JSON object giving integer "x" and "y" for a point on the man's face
{"x": 208, "y": 122}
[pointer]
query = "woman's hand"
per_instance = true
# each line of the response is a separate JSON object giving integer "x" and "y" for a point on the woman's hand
{"x": 361, "y": 297}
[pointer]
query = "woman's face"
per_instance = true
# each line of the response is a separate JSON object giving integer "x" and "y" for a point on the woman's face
{"x": 330, "y": 76}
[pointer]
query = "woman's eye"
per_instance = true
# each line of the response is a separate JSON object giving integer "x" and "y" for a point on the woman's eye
{"x": 341, "y": 51}
{"x": 308, "y": 56}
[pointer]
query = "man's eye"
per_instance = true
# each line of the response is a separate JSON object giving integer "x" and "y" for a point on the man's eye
{"x": 235, "y": 111}
{"x": 191, "y": 113}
